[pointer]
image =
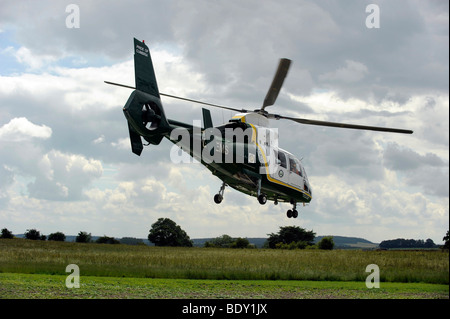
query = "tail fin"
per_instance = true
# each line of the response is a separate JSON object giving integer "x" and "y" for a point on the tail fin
{"x": 144, "y": 110}
{"x": 143, "y": 69}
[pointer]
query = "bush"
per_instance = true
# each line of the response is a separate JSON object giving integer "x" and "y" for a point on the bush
{"x": 240, "y": 243}
{"x": 326, "y": 243}
{"x": 107, "y": 240}
{"x": 226, "y": 241}
{"x": 293, "y": 245}
{"x": 58, "y": 236}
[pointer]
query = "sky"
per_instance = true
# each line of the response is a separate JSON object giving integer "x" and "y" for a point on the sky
{"x": 65, "y": 158}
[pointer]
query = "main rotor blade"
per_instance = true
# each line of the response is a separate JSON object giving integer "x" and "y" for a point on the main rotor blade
{"x": 343, "y": 125}
{"x": 181, "y": 98}
{"x": 122, "y": 85}
{"x": 277, "y": 82}
{"x": 200, "y": 102}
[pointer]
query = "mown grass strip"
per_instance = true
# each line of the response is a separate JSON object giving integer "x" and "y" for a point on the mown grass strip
{"x": 38, "y": 286}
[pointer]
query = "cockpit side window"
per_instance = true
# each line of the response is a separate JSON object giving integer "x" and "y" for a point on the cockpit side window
{"x": 282, "y": 159}
{"x": 304, "y": 172}
{"x": 295, "y": 166}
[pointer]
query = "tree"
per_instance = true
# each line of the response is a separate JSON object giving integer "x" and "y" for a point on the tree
{"x": 58, "y": 236}
{"x": 289, "y": 234}
{"x": 83, "y": 237}
{"x": 240, "y": 243}
{"x": 446, "y": 240}
{"x": 429, "y": 243}
{"x": 6, "y": 234}
{"x": 34, "y": 234}
{"x": 165, "y": 232}
{"x": 326, "y": 243}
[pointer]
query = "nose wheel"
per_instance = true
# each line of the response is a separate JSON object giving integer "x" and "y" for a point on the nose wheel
{"x": 218, "y": 198}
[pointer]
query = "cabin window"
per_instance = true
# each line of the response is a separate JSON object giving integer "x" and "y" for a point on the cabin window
{"x": 282, "y": 159}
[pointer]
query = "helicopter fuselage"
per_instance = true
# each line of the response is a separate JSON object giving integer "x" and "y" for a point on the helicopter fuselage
{"x": 245, "y": 156}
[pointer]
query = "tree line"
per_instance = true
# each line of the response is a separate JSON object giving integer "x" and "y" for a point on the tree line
{"x": 407, "y": 243}
{"x": 165, "y": 232}
{"x": 82, "y": 237}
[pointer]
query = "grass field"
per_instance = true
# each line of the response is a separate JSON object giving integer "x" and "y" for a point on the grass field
{"x": 53, "y": 286}
{"x": 37, "y": 269}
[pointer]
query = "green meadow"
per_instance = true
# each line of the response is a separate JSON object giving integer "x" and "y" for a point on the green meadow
{"x": 123, "y": 271}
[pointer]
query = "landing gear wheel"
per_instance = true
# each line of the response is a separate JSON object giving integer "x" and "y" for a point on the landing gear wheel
{"x": 218, "y": 198}
{"x": 262, "y": 199}
{"x": 292, "y": 213}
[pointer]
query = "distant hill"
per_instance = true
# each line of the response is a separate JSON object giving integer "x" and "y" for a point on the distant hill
{"x": 340, "y": 242}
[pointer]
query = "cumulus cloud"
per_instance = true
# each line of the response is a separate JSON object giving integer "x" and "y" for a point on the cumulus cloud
{"x": 32, "y": 61}
{"x": 20, "y": 129}
{"x": 63, "y": 176}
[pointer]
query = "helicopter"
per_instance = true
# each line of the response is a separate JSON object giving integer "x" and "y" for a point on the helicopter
{"x": 242, "y": 153}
